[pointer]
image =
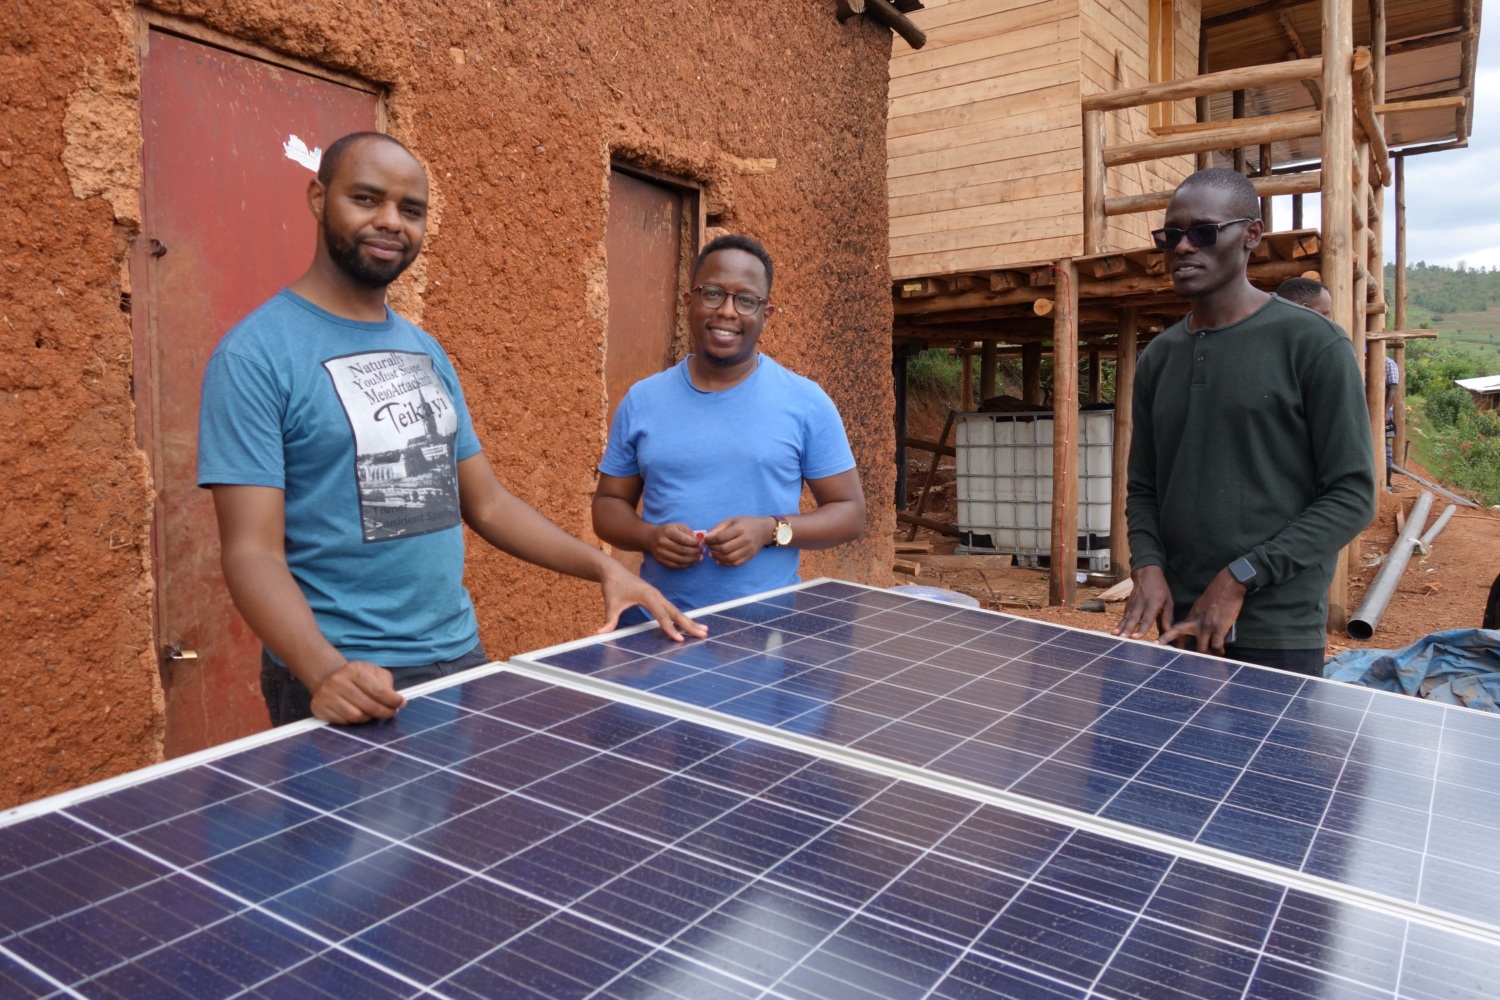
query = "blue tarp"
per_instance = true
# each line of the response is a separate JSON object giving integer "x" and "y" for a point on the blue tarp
{"x": 1459, "y": 667}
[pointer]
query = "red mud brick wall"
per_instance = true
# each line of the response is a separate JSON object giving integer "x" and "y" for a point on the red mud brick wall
{"x": 517, "y": 108}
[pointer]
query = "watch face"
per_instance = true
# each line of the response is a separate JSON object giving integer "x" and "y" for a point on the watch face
{"x": 783, "y": 533}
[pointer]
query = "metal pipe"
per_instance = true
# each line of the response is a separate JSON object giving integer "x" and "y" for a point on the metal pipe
{"x": 1366, "y": 617}
{"x": 1425, "y": 542}
{"x": 1433, "y": 486}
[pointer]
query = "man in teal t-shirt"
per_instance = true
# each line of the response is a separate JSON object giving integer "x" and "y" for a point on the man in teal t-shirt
{"x": 716, "y": 449}
{"x": 1250, "y": 456}
{"x": 336, "y": 441}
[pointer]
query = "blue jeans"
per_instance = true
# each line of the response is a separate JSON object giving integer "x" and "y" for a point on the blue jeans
{"x": 288, "y": 700}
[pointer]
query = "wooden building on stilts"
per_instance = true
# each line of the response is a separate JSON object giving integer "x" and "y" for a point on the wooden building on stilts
{"x": 1034, "y": 143}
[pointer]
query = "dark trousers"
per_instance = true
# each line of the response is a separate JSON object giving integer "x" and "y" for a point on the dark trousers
{"x": 1296, "y": 661}
{"x": 288, "y": 700}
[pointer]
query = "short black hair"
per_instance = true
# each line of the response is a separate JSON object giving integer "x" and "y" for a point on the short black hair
{"x": 334, "y": 153}
{"x": 1246, "y": 202}
{"x": 734, "y": 241}
{"x": 1303, "y": 291}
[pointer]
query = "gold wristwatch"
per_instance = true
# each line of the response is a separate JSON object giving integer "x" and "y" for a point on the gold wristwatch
{"x": 782, "y": 536}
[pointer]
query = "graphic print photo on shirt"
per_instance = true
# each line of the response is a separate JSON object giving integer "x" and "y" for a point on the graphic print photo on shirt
{"x": 404, "y": 424}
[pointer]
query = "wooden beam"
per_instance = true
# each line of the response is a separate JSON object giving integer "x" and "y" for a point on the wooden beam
{"x": 1206, "y": 85}
{"x": 1062, "y": 585}
{"x": 1400, "y": 196}
{"x": 1337, "y": 143}
{"x": 1119, "y": 529}
{"x": 1449, "y": 37}
{"x": 1031, "y": 373}
{"x": 1246, "y": 13}
{"x": 1364, "y": 110}
{"x": 986, "y": 370}
{"x": 920, "y": 445}
{"x": 1421, "y": 104}
{"x": 1096, "y": 378}
{"x": 1299, "y": 51}
{"x": 966, "y": 383}
{"x": 886, "y": 13}
{"x": 1249, "y": 133}
{"x": 1277, "y": 184}
{"x": 1237, "y": 112}
{"x": 902, "y": 517}
{"x": 1095, "y": 228}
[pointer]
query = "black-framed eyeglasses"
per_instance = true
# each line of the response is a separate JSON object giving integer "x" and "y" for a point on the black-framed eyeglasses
{"x": 1205, "y": 234}
{"x": 712, "y": 297}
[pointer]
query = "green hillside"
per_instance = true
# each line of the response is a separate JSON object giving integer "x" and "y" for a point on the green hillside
{"x": 1449, "y": 435}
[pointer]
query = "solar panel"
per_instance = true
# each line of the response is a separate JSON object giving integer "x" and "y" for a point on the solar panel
{"x": 523, "y": 836}
{"x": 1375, "y": 791}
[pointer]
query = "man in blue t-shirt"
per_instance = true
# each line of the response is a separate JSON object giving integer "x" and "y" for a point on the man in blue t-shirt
{"x": 342, "y": 460}
{"x": 716, "y": 449}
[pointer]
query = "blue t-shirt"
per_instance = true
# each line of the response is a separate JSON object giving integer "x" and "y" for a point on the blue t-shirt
{"x": 706, "y": 456}
{"x": 362, "y": 426}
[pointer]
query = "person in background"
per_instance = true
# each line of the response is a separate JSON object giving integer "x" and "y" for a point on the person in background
{"x": 717, "y": 448}
{"x": 1250, "y": 456}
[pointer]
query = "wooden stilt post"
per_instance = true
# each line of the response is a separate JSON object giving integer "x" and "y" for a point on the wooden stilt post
{"x": 986, "y": 370}
{"x": 966, "y": 382}
{"x": 1094, "y": 224}
{"x": 1096, "y": 378}
{"x": 1031, "y": 372}
{"x": 1063, "y": 585}
{"x": 1204, "y": 160}
{"x": 1119, "y": 529}
{"x": 1375, "y": 382}
{"x": 1399, "y": 446}
{"x": 1296, "y": 211}
{"x": 1265, "y": 171}
{"x": 1237, "y": 111}
{"x": 898, "y": 376}
{"x": 1337, "y": 204}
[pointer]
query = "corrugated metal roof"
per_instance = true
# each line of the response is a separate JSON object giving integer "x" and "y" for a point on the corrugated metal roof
{"x": 1485, "y": 383}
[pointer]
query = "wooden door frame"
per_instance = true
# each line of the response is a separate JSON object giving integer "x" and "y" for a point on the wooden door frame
{"x": 695, "y": 221}
{"x": 144, "y": 328}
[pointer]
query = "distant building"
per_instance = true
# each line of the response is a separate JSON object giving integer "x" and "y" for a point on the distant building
{"x": 1485, "y": 390}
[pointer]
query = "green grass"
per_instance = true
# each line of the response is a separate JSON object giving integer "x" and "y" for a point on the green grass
{"x": 1480, "y": 331}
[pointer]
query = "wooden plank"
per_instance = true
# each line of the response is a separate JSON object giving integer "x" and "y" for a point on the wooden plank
{"x": 907, "y": 548}
{"x": 964, "y": 41}
{"x": 983, "y": 216}
{"x": 1020, "y": 147}
{"x": 940, "y": 186}
{"x": 1093, "y": 182}
{"x": 1034, "y": 74}
{"x": 1059, "y": 110}
{"x": 1029, "y": 48}
{"x": 1020, "y": 102}
{"x": 935, "y": 16}
{"x": 992, "y": 235}
{"x": 1049, "y": 182}
{"x": 907, "y": 567}
{"x": 1278, "y": 184}
{"x": 979, "y": 257}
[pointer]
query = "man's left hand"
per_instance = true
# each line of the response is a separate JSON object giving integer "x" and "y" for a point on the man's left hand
{"x": 736, "y": 541}
{"x": 1212, "y": 615}
{"x": 623, "y": 590}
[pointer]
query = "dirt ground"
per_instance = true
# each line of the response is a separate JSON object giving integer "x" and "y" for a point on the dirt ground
{"x": 1445, "y": 589}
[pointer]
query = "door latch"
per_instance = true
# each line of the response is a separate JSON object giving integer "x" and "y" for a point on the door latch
{"x": 174, "y": 651}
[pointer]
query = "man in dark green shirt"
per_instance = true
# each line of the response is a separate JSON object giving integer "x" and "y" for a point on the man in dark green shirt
{"x": 1250, "y": 461}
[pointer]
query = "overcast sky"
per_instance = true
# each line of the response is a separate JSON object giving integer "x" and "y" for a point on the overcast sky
{"x": 1453, "y": 197}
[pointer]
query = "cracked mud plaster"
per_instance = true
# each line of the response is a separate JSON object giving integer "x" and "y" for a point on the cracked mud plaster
{"x": 101, "y": 152}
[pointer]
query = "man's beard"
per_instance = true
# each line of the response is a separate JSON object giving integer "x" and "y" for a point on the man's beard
{"x": 345, "y": 253}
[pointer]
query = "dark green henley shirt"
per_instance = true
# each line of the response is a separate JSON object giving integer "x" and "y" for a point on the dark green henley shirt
{"x": 1252, "y": 440}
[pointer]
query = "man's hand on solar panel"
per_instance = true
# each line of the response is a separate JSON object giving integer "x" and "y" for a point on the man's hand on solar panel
{"x": 356, "y": 692}
{"x": 1211, "y": 617}
{"x": 624, "y": 590}
{"x": 1150, "y": 603}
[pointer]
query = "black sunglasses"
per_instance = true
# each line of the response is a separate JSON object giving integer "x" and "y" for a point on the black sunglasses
{"x": 1203, "y": 235}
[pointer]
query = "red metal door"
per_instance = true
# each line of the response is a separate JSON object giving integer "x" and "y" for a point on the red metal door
{"x": 225, "y": 224}
{"x": 643, "y": 255}
{"x": 643, "y": 252}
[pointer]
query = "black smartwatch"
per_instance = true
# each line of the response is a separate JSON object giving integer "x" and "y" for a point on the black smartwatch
{"x": 1244, "y": 575}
